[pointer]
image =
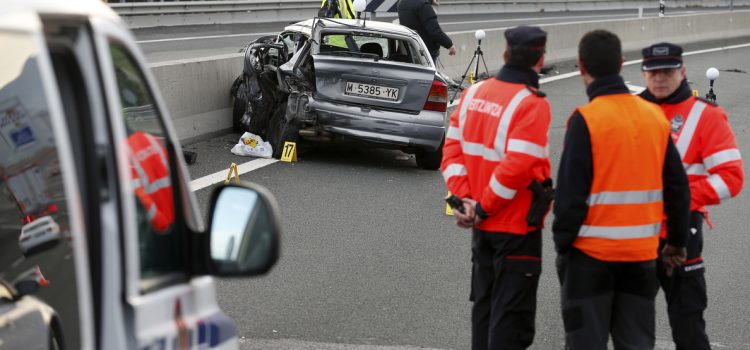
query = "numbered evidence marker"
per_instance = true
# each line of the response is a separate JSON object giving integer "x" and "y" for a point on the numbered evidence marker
{"x": 289, "y": 153}
{"x": 695, "y": 93}
{"x": 232, "y": 167}
{"x": 448, "y": 209}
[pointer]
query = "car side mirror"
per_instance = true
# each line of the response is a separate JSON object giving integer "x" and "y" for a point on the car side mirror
{"x": 244, "y": 231}
{"x": 26, "y": 287}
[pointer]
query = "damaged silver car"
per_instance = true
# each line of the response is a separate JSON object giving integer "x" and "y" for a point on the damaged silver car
{"x": 333, "y": 80}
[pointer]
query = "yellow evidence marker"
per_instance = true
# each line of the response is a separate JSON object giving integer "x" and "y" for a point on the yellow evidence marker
{"x": 695, "y": 93}
{"x": 229, "y": 174}
{"x": 448, "y": 209}
{"x": 289, "y": 153}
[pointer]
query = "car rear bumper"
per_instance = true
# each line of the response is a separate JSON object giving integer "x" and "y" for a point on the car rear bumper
{"x": 425, "y": 130}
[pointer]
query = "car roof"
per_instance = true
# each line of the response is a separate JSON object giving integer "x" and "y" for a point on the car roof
{"x": 305, "y": 26}
{"x": 15, "y": 11}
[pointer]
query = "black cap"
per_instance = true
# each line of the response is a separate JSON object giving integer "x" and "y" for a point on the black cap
{"x": 662, "y": 56}
{"x": 528, "y": 36}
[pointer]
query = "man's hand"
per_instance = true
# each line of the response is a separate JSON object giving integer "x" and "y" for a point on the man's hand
{"x": 452, "y": 51}
{"x": 465, "y": 219}
{"x": 673, "y": 257}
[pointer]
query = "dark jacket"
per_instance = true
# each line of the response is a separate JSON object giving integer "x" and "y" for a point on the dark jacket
{"x": 575, "y": 176}
{"x": 421, "y": 17}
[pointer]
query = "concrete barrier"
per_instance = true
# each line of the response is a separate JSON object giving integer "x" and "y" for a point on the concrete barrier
{"x": 191, "y": 13}
{"x": 197, "y": 91}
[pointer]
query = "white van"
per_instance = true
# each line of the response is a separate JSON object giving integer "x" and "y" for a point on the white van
{"x": 77, "y": 101}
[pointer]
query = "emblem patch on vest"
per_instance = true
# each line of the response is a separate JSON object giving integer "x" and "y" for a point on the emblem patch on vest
{"x": 677, "y": 122}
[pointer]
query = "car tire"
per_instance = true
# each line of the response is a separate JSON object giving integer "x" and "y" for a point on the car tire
{"x": 430, "y": 160}
{"x": 280, "y": 131}
{"x": 238, "y": 110}
{"x": 55, "y": 340}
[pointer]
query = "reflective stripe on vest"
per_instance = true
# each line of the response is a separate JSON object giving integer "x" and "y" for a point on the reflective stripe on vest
{"x": 619, "y": 233}
{"x": 625, "y": 197}
{"x": 695, "y": 169}
{"x": 453, "y": 170}
{"x": 688, "y": 131}
{"x": 506, "y": 118}
{"x": 721, "y": 157}
{"x": 454, "y": 133}
{"x": 528, "y": 148}
{"x": 500, "y": 190}
{"x": 497, "y": 153}
{"x": 721, "y": 188}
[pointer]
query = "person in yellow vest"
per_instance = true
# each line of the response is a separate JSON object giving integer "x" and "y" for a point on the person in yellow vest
{"x": 336, "y": 9}
{"x": 619, "y": 175}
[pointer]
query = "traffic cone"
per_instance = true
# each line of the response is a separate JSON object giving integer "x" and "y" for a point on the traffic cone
{"x": 39, "y": 277}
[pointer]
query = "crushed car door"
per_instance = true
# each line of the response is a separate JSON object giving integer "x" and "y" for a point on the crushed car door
{"x": 371, "y": 69}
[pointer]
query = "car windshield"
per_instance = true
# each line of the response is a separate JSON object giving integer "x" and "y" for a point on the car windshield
{"x": 369, "y": 45}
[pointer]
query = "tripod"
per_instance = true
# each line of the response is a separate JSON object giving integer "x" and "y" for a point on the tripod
{"x": 478, "y": 55}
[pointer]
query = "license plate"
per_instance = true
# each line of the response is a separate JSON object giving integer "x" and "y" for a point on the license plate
{"x": 374, "y": 91}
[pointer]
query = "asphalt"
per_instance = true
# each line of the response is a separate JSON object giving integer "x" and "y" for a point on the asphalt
{"x": 370, "y": 260}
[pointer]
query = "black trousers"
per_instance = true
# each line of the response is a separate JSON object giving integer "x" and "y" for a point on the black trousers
{"x": 600, "y": 298}
{"x": 685, "y": 292}
{"x": 505, "y": 277}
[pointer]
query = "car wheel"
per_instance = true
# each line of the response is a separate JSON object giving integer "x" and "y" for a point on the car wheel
{"x": 55, "y": 340}
{"x": 238, "y": 110}
{"x": 281, "y": 131}
{"x": 430, "y": 160}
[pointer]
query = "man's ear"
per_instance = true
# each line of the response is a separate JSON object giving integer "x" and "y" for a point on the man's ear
{"x": 581, "y": 67}
{"x": 506, "y": 55}
{"x": 540, "y": 63}
{"x": 683, "y": 72}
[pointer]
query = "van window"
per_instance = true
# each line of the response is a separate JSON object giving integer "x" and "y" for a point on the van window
{"x": 160, "y": 247}
{"x": 31, "y": 191}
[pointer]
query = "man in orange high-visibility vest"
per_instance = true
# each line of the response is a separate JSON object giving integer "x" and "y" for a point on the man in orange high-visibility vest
{"x": 495, "y": 149}
{"x": 709, "y": 152}
{"x": 619, "y": 175}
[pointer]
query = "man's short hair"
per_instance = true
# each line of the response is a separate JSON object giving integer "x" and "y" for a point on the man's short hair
{"x": 600, "y": 53}
{"x": 524, "y": 56}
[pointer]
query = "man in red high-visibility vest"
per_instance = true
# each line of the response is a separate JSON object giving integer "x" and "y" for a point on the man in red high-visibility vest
{"x": 495, "y": 149}
{"x": 713, "y": 163}
{"x": 150, "y": 174}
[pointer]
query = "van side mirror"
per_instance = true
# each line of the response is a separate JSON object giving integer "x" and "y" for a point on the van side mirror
{"x": 27, "y": 287}
{"x": 244, "y": 231}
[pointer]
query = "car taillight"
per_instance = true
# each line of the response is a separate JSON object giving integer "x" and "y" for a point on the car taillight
{"x": 438, "y": 98}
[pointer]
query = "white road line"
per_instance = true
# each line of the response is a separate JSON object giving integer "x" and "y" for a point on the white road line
{"x": 625, "y": 15}
{"x": 628, "y": 63}
{"x": 18, "y": 262}
{"x": 203, "y": 37}
{"x": 220, "y": 176}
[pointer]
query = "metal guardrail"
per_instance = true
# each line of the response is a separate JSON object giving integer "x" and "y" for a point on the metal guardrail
{"x": 176, "y": 13}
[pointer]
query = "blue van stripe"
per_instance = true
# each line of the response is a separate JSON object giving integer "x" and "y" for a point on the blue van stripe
{"x": 222, "y": 328}
{"x": 201, "y": 332}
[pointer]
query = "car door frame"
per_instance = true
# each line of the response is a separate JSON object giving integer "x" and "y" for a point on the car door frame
{"x": 30, "y": 23}
{"x": 195, "y": 295}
